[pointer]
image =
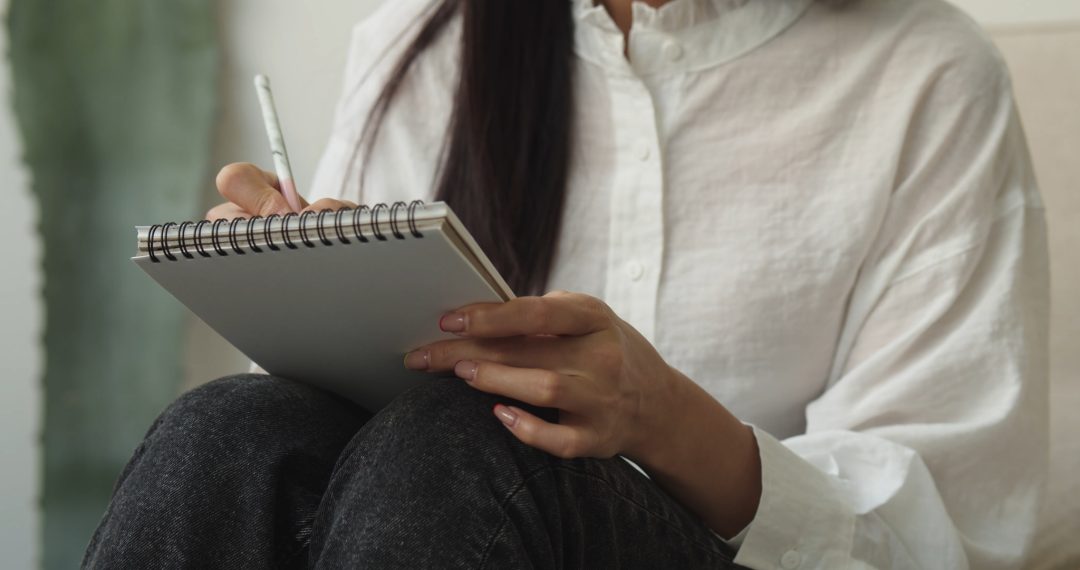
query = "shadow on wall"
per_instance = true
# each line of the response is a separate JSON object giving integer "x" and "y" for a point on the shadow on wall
{"x": 115, "y": 104}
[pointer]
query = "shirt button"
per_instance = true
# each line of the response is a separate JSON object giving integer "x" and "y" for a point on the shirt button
{"x": 635, "y": 270}
{"x": 790, "y": 560}
{"x": 672, "y": 50}
{"x": 644, "y": 153}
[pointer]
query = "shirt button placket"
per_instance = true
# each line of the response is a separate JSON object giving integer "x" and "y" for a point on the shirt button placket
{"x": 636, "y": 227}
{"x": 645, "y": 152}
{"x": 644, "y": 268}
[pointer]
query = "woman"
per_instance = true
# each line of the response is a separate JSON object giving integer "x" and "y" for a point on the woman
{"x": 816, "y": 220}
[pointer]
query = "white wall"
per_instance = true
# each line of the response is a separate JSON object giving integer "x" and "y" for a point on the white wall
{"x": 20, "y": 332}
{"x": 996, "y": 13}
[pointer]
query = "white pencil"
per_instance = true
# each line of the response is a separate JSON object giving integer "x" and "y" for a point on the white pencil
{"x": 277, "y": 142}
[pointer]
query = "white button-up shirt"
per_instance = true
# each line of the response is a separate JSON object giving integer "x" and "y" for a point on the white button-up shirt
{"x": 827, "y": 219}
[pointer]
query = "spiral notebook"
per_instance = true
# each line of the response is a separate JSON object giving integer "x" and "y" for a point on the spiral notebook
{"x": 333, "y": 298}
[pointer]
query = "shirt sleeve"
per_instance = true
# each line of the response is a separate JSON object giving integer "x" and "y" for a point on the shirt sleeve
{"x": 928, "y": 448}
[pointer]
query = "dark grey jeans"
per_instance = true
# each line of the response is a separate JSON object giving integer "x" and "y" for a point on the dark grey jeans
{"x": 257, "y": 472}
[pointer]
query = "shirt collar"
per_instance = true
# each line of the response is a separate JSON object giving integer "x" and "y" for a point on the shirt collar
{"x": 682, "y": 35}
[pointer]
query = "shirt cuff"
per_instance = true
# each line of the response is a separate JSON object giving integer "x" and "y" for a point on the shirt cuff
{"x": 803, "y": 519}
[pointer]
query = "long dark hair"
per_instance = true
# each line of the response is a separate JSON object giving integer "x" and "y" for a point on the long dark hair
{"x": 505, "y": 159}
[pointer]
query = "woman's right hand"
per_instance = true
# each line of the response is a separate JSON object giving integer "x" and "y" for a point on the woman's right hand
{"x": 251, "y": 191}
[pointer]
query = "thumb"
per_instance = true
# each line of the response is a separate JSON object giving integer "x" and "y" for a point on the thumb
{"x": 254, "y": 190}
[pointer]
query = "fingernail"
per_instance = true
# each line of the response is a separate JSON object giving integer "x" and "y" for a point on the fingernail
{"x": 506, "y": 415}
{"x": 452, "y": 322}
{"x": 418, "y": 360}
{"x": 466, "y": 370}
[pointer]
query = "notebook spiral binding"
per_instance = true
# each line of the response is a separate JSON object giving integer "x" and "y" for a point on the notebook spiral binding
{"x": 243, "y": 230}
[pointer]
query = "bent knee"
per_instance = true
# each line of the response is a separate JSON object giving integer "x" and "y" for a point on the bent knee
{"x": 441, "y": 431}
{"x": 445, "y": 412}
{"x": 247, "y": 404}
{"x": 232, "y": 393}
{"x": 442, "y": 402}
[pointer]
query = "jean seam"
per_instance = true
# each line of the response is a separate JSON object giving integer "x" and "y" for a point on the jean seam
{"x": 631, "y": 500}
{"x": 502, "y": 507}
{"x": 547, "y": 469}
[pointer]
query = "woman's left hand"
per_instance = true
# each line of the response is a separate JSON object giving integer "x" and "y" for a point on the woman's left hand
{"x": 569, "y": 351}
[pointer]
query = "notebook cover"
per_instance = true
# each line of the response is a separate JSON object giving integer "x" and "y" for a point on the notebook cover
{"x": 340, "y": 317}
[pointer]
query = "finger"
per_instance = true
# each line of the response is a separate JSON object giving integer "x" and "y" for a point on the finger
{"x": 553, "y": 314}
{"x": 559, "y": 440}
{"x": 228, "y": 210}
{"x": 536, "y": 386}
{"x": 254, "y": 190}
{"x": 528, "y": 352}
{"x": 329, "y": 204}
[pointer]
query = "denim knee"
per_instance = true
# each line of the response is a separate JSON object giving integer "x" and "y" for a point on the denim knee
{"x": 445, "y": 422}
{"x": 445, "y": 407}
{"x": 221, "y": 399}
{"x": 249, "y": 410}
{"x": 231, "y": 471}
